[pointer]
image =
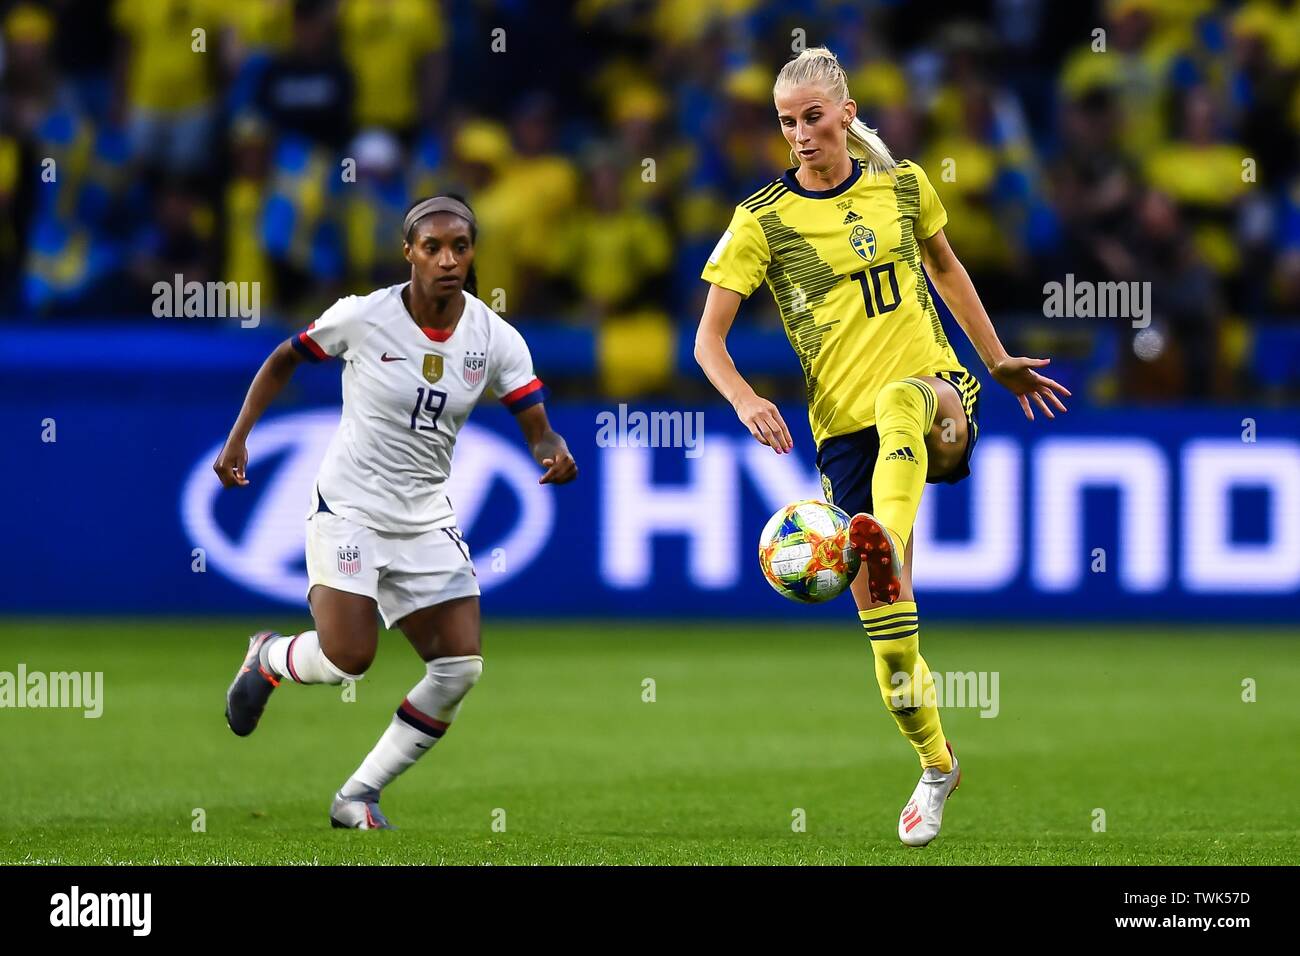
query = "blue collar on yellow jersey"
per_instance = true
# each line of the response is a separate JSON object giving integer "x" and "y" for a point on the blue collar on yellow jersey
{"x": 792, "y": 184}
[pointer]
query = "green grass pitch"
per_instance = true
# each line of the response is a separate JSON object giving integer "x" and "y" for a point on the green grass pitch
{"x": 749, "y": 723}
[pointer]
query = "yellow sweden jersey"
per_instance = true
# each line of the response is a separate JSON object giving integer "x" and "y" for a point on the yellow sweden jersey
{"x": 844, "y": 266}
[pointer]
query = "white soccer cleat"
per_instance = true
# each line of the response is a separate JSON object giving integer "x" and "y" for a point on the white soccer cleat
{"x": 359, "y": 812}
{"x": 919, "y": 822}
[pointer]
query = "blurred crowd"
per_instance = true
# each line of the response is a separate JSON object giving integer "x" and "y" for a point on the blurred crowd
{"x": 603, "y": 144}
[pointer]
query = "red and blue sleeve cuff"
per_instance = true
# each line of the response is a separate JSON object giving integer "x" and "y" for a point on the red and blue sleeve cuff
{"x": 307, "y": 348}
{"x": 525, "y": 396}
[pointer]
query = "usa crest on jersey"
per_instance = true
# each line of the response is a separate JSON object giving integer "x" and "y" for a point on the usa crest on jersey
{"x": 863, "y": 241}
{"x": 475, "y": 367}
{"x": 349, "y": 560}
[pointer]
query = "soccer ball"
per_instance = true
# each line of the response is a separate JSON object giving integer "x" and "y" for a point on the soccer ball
{"x": 805, "y": 554}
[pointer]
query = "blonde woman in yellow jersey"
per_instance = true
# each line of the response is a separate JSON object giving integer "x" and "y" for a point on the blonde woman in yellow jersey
{"x": 840, "y": 239}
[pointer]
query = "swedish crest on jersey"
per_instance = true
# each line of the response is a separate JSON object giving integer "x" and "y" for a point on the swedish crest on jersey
{"x": 475, "y": 366}
{"x": 432, "y": 367}
{"x": 863, "y": 241}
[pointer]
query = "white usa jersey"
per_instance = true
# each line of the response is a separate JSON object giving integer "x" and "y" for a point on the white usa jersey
{"x": 407, "y": 391}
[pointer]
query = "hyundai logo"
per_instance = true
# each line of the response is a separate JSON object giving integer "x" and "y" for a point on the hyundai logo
{"x": 265, "y": 555}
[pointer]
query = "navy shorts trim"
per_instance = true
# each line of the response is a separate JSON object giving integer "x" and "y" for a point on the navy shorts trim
{"x": 967, "y": 387}
{"x": 846, "y": 463}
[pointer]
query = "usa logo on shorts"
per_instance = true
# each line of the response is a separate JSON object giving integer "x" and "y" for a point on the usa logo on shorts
{"x": 349, "y": 560}
{"x": 475, "y": 365}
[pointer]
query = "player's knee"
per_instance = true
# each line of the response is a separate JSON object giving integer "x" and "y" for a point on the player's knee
{"x": 892, "y": 393}
{"x": 946, "y": 444}
{"x": 455, "y": 676}
{"x": 899, "y": 403}
{"x": 351, "y": 663}
{"x": 448, "y": 681}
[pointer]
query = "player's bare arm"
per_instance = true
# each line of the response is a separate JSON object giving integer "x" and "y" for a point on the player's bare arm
{"x": 547, "y": 447}
{"x": 760, "y": 416}
{"x": 270, "y": 379}
{"x": 1015, "y": 373}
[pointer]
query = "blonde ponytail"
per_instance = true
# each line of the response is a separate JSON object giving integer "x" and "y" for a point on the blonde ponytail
{"x": 819, "y": 67}
{"x": 865, "y": 143}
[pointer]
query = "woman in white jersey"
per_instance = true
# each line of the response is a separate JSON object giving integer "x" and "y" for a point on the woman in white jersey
{"x": 382, "y": 534}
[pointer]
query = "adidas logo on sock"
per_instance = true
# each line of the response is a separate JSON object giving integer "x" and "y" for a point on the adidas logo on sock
{"x": 851, "y": 217}
{"x": 903, "y": 454}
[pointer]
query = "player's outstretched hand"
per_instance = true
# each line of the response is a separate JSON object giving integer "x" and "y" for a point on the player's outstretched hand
{"x": 231, "y": 464}
{"x": 1019, "y": 377}
{"x": 560, "y": 469}
{"x": 765, "y": 423}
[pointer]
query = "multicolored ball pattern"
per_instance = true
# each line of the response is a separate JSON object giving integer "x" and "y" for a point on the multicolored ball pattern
{"x": 805, "y": 554}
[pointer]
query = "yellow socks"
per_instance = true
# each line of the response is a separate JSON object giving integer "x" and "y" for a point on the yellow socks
{"x": 905, "y": 682}
{"x": 905, "y": 413}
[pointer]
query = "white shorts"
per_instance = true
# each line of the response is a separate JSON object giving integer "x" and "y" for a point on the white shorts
{"x": 402, "y": 572}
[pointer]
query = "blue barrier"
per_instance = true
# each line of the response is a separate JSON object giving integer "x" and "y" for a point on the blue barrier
{"x": 121, "y": 512}
{"x": 177, "y": 349}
